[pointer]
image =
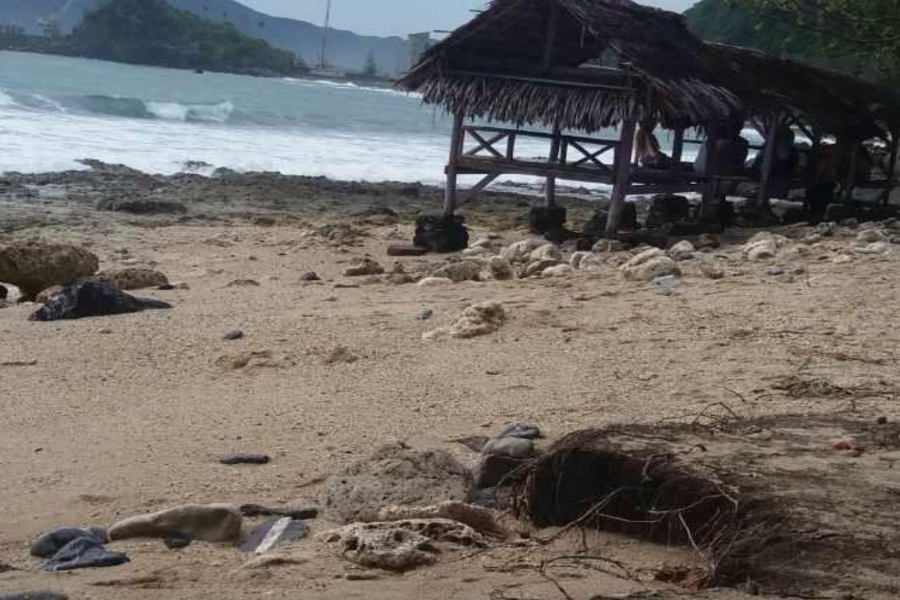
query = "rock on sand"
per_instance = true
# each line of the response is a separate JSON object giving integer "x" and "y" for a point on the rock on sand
{"x": 36, "y": 266}
{"x": 477, "y": 320}
{"x": 649, "y": 265}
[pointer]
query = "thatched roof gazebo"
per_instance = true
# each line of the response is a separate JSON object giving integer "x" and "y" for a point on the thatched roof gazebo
{"x": 587, "y": 65}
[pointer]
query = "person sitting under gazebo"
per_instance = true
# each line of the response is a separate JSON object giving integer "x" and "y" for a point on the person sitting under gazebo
{"x": 647, "y": 149}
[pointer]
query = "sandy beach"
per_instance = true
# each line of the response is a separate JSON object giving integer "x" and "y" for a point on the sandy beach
{"x": 104, "y": 418}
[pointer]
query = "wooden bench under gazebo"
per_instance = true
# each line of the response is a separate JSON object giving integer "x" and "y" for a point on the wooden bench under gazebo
{"x": 559, "y": 75}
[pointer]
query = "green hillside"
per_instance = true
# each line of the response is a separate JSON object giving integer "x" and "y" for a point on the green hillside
{"x": 152, "y": 32}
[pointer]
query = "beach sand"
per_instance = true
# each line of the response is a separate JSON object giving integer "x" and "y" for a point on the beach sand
{"x": 110, "y": 417}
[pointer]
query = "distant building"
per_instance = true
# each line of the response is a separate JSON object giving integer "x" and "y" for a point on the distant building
{"x": 8, "y": 30}
{"x": 419, "y": 43}
{"x": 52, "y": 30}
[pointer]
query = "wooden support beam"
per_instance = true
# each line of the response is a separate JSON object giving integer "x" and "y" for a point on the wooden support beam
{"x": 485, "y": 144}
{"x": 623, "y": 177}
{"x": 550, "y": 39}
{"x": 511, "y": 146}
{"x": 677, "y": 149}
{"x": 851, "y": 172}
{"x": 475, "y": 189}
{"x": 456, "y": 145}
{"x": 554, "y": 160}
{"x": 762, "y": 198}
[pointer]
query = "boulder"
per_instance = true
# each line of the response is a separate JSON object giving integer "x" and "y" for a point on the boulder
{"x": 143, "y": 206}
{"x": 520, "y": 252}
{"x": 92, "y": 299}
{"x": 400, "y": 545}
{"x": 649, "y": 265}
{"x": 500, "y": 269}
{"x": 395, "y": 474}
{"x": 547, "y": 252}
{"x": 683, "y": 250}
{"x": 457, "y": 272}
{"x": 36, "y": 266}
{"x": 133, "y": 278}
{"x": 207, "y": 523}
{"x": 365, "y": 267}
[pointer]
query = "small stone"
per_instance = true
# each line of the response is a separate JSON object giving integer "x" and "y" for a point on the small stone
{"x": 649, "y": 265}
{"x": 236, "y": 334}
{"x": 519, "y": 430}
{"x": 434, "y": 282}
{"x": 365, "y": 267}
{"x": 870, "y": 236}
{"x": 547, "y": 252}
{"x": 457, "y": 272}
{"x": 245, "y": 459}
{"x": 406, "y": 250}
{"x": 501, "y": 269}
{"x": 558, "y": 271}
{"x": 875, "y": 248}
{"x": 536, "y": 268}
{"x": 842, "y": 259}
{"x": 310, "y": 276}
{"x": 208, "y": 523}
{"x": 775, "y": 271}
{"x": 520, "y": 251}
{"x": 424, "y": 314}
{"x": 243, "y": 283}
{"x": 682, "y": 251}
{"x": 177, "y": 543}
{"x": 511, "y": 447}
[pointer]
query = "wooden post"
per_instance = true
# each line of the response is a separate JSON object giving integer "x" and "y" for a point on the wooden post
{"x": 762, "y": 198}
{"x": 550, "y": 39}
{"x": 677, "y": 149}
{"x": 457, "y": 137}
{"x": 711, "y": 168}
{"x": 623, "y": 178}
{"x": 892, "y": 166}
{"x": 554, "y": 159}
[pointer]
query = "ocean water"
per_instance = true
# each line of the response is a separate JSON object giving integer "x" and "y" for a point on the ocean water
{"x": 55, "y": 110}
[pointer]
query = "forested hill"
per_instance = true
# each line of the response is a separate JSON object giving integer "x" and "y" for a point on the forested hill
{"x": 774, "y": 31}
{"x": 152, "y": 32}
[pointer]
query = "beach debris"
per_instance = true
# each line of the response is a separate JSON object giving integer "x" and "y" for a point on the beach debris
{"x": 395, "y": 474}
{"x": 457, "y": 272}
{"x": 482, "y": 520}
{"x": 424, "y": 314}
{"x": 681, "y": 251}
{"x": 775, "y": 271}
{"x": 546, "y": 252}
{"x": 48, "y": 544}
{"x": 511, "y": 447}
{"x": 712, "y": 269}
{"x": 406, "y": 250}
{"x": 649, "y": 265}
{"x": 257, "y": 510}
{"x": 143, "y": 206}
{"x": 310, "y": 276}
{"x": 206, "y": 523}
{"x": 84, "y": 553}
{"x": 441, "y": 233}
{"x": 34, "y": 266}
{"x": 133, "y": 278}
{"x": 521, "y": 430}
{"x": 400, "y": 545}
{"x": 520, "y": 252}
{"x": 434, "y": 282}
{"x": 274, "y": 533}
{"x": 245, "y": 459}
{"x": 41, "y": 595}
{"x": 500, "y": 268}
{"x": 477, "y": 320}
{"x": 235, "y": 334}
{"x": 363, "y": 268}
{"x": 83, "y": 299}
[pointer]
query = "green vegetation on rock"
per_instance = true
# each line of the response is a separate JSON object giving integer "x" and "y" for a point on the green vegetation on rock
{"x": 152, "y": 32}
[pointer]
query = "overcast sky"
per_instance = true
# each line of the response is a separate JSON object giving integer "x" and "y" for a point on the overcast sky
{"x": 395, "y": 17}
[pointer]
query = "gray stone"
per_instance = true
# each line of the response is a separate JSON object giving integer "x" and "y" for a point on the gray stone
{"x": 775, "y": 271}
{"x": 395, "y": 474}
{"x": 712, "y": 269}
{"x": 520, "y": 251}
{"x": 48, "y": 544}
{"x": 512, "y": 447}
{"x": 547, "y": 252}
{"x": 424, "y": 314}
{"x": 520, "y": 430}
{"x": 682, "y": 251}
{"x": 207, "y": 523}
{"x": 649, "y": 265}
{"x": 310, "y": 276}
{"x": 501, "y": 269}
{"x": 84, "y": 553}
{"x": 363, "y": 268}
{"x": 233, "y": 335}
{"x": 36, "y": 266}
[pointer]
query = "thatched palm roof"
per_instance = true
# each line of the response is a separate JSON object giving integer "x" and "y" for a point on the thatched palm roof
{"x": 492, "y": 68}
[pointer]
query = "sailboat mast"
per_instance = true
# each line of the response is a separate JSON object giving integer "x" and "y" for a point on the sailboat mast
{"x": 322, "y": 55}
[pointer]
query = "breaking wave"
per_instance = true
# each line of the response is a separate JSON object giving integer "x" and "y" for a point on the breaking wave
{"x": 136, "y": 108}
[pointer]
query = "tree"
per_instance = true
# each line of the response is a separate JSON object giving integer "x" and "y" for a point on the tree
{"x": 371, "y": 68}
{"x": 868, "y": 31}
